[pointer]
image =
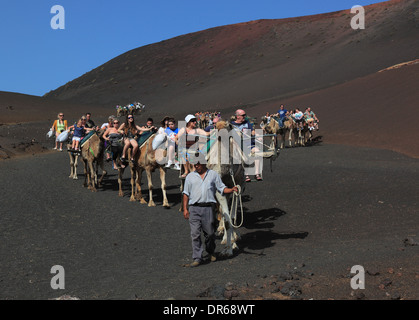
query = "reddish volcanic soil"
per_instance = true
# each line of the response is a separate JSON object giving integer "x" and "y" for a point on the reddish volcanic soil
{"x": 379, "y": 110}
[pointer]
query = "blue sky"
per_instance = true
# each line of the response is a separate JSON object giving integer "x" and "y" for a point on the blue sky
{"x": 34, "y": 58}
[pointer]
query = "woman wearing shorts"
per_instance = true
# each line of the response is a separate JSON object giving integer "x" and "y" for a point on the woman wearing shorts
{"x": 59, "y": 126}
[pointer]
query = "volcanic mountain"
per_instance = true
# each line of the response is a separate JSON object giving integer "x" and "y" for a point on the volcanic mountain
{"x": 249, "y": 63}
{"x": 317, "y": 61}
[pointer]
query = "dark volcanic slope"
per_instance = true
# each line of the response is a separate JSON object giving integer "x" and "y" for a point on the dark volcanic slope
{"x": 248, "y": 63}
{"x": 20, "y": 108}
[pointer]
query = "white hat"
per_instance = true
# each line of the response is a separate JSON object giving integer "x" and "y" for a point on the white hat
{"x": 189, "y": 117}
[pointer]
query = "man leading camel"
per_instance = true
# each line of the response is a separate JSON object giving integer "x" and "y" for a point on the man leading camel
{"x": 199, "y": 195}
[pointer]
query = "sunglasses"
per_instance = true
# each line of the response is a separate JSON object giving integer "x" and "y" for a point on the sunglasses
{"x": 61, "y": 115}
{"x": 130, "y": 117}
{"x": 241, "y": 115}
{"x": 116, "y": 123}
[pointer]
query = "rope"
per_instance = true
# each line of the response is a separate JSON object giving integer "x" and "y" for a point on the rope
{"x": 237, "y": 197}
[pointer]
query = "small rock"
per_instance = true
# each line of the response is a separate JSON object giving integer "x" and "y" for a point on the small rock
{"x": 385, "y": 283}
{"x": 235, "y": 293}
{"x": 291, "y": 289}
{"x": 359, "y": 295}
{"x": 373, "y": 272}
{"x": 284, "y": 276}
{"x": 395, "y": 296}
{"x": 215, "y": 291}
{"x": 227, "y": 294}
{"x": 230, "y": 286}
{"x": 410, "y": 242}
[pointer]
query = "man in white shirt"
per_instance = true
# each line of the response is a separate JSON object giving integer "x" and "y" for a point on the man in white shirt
{"x": 198, "y": 207}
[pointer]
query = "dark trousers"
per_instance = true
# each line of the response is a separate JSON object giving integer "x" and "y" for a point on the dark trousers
{"x": 116, "y": 151}
{"x": 202, "y": 219}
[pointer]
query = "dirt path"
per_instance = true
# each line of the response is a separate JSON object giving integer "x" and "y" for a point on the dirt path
{"x": 323, "y": 210}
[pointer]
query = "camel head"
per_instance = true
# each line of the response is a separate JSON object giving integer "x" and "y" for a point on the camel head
{"x": 222, "y": 124}
{"x": 101, "y": 132}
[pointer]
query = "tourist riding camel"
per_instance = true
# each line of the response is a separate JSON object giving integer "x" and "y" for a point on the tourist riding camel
{"x": 241, "y": 124}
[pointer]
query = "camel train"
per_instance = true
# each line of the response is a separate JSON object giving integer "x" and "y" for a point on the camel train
{"x": 132, "y": 108}
{"x": 302, "y": 135}
{"x": 149, "y": 159}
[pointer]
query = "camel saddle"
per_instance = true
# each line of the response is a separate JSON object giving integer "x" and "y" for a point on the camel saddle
{"x": 86, "y": 138}
{"x": 144, "y": 137}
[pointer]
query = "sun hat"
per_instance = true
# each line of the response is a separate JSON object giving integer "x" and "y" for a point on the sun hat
{"x": 189, "y": 117}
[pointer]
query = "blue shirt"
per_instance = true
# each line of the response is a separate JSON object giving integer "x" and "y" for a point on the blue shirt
{"x": 203, "y": 190}
{"x": 170, "y": 132}
{"x": 246, "y": 125}
{"x": 282, "y": 113}
{"x": 209, "y": 128}
{"x": 79, "y": 131}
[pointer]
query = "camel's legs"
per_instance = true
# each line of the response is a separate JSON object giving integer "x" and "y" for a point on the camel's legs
{"x": 86, "y": 174}
{"x": 73, "y": 165}
{"x": 139, "y": 195}
{"x": 163, "y": 186}
{"x": 93, "y": 177}
{"x": 228, "y": 230}
{"x": 76, "y": 160}
{"x": 100, "y": 164}
{"x": 150, "y": 188}
{"x": 133, "y": 182}
{"x": 283, "y": 140}
{"x": 120, "y": 174}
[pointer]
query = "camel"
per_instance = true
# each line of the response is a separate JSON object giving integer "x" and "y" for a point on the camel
{"x": 147, "y": 159}
{"x": 120, "y": 111}
{"x": 302, "y": 135}
{"x": 273, "y": 128}
{"x": 92, "y": 155}
{"x": 232, "y": 173}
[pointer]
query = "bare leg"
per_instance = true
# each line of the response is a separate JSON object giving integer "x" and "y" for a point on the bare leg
{"x": 134, "y": 149}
